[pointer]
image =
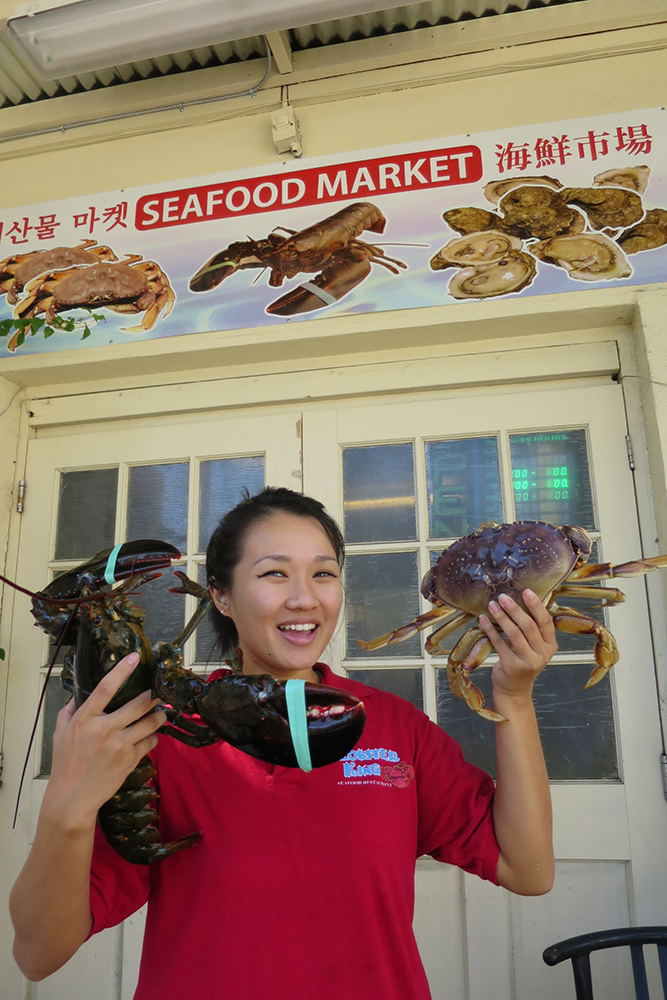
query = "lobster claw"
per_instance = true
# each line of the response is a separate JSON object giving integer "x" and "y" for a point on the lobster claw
{"x": 346, "y": 269}
{"x": 141, "y": 555}
{"x": 250, "y": 712}
{"x": 135, "y": 557}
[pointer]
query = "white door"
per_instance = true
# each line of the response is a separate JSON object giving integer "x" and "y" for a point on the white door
{"x": 171, "y": 479}
{"x": 409, "y": 476}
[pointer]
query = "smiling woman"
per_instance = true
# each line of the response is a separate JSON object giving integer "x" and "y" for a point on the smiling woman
{"x": 300, "y": 881}
{"x": 273, "y": 566}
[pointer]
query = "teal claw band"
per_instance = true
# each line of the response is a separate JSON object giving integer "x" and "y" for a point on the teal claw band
{"x": 295, "y": 693}
{"x": 111, "y": 565}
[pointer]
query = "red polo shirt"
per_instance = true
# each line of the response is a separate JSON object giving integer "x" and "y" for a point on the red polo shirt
{"x": 302, "y": 885}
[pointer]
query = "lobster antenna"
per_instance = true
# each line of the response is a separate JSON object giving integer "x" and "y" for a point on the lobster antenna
{"x": 398, "y": 244}
{"x": 39, "y": 710}
{"x": 260, "y": 274}
{"x": 54, "y": 600}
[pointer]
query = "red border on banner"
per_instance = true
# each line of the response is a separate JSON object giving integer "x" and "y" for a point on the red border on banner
{"x": 358, "y": 179}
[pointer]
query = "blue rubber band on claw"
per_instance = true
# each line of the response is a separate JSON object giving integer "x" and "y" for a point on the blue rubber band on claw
{"x": 111, "y": 565}
{"x": 295, "y": 693}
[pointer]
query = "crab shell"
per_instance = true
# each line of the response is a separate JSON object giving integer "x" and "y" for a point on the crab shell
{"x": 130, "y": 286}
{"x": 505, "y": 559}
{"x": 16, "y": 272}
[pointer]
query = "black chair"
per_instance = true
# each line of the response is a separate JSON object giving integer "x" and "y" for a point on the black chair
{"x": 578, "y": 949}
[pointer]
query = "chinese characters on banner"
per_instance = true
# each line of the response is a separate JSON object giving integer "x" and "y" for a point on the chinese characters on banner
{"x": 532, "y": 210}
{"x": 631, "y": 140}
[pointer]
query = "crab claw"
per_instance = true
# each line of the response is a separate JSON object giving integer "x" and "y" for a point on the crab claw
{"x": 474, "y": 699}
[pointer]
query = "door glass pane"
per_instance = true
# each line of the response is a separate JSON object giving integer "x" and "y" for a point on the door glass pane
{"x": 157, "y": 503}
{"x": 222, "y": 485}
{"x": 55, "y": 698}
{"x": 463, "y": 479}
{"x": 86, "y": 513}
{"x": 576, "y": 726}
{"x": 381, "y": 595}
{"x": 551, "y": 478}
{"x": 205, "y": 638}
{"x": 164, "y": 612}
{"x": 379, "y": 493}
{"x": 405, "y": 683}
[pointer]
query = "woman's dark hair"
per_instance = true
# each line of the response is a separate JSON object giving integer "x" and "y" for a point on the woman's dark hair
{"x": 226, "y": 544}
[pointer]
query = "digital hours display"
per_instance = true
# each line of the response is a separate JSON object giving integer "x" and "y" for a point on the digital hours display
{"x": 550, "y": 476}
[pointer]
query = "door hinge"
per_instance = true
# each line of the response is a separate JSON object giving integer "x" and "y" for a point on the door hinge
{"x": 631, "y": 454}
{"x": 21, "y": 496}
{"x": 663, "y": 767}
{"x": 2, "y": 766}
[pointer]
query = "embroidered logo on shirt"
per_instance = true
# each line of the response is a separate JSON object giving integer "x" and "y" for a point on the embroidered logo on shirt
{"x": 378, "y": 766}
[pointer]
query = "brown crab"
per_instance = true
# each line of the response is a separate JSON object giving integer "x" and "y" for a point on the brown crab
{"x": 506, "y": 559}
{"x": 16, "y": 271}
{"x": 130, "y": 286}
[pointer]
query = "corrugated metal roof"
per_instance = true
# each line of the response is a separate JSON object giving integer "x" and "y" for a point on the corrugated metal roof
{"x": 19, "y": 84}
{"x": 408, "y": 18}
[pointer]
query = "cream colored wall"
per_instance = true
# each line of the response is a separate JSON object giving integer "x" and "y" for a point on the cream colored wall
{"x": 67, "y": 165}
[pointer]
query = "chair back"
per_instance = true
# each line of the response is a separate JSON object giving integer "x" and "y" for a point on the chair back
{"x": 578, "y": 950}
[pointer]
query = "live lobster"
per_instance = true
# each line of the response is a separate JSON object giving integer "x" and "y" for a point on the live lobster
{"x": 101, "y": 626}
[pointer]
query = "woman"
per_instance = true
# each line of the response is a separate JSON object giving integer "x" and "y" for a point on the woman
{"x": 302, "y": 884}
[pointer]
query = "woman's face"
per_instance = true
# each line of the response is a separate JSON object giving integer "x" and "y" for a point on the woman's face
{"x": 285, "y": 597}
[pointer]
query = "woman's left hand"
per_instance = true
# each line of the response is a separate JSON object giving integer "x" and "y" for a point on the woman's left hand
{"x": 528, "y": 645}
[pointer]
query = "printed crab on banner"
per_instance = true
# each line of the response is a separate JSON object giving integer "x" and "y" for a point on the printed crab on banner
{"x": 532, "y": 210}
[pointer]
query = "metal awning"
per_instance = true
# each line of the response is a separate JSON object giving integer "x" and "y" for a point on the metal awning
{"x": 20, "y": 85}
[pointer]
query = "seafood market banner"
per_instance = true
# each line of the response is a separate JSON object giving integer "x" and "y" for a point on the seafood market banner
{"x": 525, "y": 211}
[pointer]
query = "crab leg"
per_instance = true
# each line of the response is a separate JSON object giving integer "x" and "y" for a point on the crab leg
{"x": 407, "y": 631}
{"x": 606, "y": 571}
{"x": 605, "y": 595}
{"x": 576, "y": 623}
{"x": 433, "y": 641}
{"x": 469, "y": 653}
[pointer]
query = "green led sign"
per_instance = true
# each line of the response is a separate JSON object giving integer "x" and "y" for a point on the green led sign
{"x": 551, "y": 477}
{"x": 552, "y": 483}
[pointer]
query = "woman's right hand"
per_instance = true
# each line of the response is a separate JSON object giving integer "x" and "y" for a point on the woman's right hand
{"x": 94, "y": 751}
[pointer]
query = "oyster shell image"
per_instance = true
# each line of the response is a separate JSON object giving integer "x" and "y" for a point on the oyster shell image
{"x": 475, "y": 248}
{"x": 536, "y": 212}
{"x": 495, "y": 190}
{"x": 587, "y": 231}
{"x": 586, "y": 256}
{"x": 472, "y": 220}
{"x": 632, "y": 178}
{"x": 650, "y": 234}
{"x": 606, "y": 207}
{"x": 511, "y": 273}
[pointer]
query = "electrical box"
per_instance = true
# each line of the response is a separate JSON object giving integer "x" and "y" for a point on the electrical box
{"x": 285, "y": 131}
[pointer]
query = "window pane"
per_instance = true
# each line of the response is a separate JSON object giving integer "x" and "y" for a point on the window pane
{"x": 405, "y": 683}
{"x": 222, "y": 485}
{"x": 551, "y": 478}
{"x": 205, "y": 640}
{"x": 463, "y": 479}
{"x": 164, "y": 612}
{"x": 379, "y": 493}
{"x": 157, "y": 504}
{"x": 55, "y": 698}
{"x": 86, "y": 513}
{"x": 576, "y": 726}
{"x": 381, "y": 595}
